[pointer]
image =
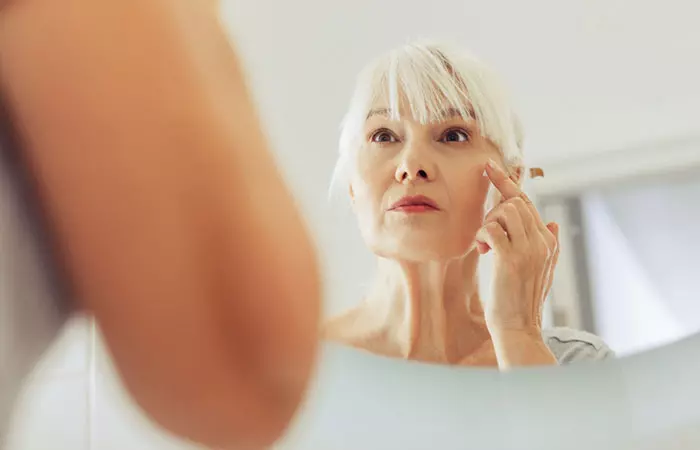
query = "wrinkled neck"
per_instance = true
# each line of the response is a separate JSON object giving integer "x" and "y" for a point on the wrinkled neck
{"x": 430, "y": 310}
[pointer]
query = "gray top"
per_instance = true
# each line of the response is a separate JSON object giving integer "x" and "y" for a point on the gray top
{"x": 32, "y": 312}
{"x": 571, "y": 346}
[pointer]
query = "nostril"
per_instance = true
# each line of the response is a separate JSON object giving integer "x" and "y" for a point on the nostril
{"x": 422, "y": 174}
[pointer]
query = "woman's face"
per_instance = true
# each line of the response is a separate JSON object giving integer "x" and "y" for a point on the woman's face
{"x": 418, "y": 190}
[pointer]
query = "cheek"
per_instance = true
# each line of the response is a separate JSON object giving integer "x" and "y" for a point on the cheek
{"x": 366, "y": 191}
{"x": 469, "y": 190}
{"x": 370, "y": 183}
{"x": 367, "y": 204}
{"x": 469, "y": 201}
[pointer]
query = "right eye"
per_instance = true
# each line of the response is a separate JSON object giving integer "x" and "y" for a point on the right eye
{"x": 383, "y": 137}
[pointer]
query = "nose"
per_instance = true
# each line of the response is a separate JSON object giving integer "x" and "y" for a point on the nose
{"x": 414, "y": 166}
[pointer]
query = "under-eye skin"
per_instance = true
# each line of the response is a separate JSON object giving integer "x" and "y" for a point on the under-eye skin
{"x": 455, "y": 135}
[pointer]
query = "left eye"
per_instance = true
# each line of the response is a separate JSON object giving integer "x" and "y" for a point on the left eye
{"x": 455, "y": 136}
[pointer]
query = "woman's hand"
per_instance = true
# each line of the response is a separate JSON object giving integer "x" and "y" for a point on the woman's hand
{"x": 525, "y": 252}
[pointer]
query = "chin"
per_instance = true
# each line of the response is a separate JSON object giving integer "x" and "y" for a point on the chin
{"x": 422, "y": 249}
{"x": 419, "y": 244}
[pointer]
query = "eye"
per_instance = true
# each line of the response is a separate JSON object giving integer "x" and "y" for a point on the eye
{"x": 383, "y": 136}
{"x": 455, "y": 135}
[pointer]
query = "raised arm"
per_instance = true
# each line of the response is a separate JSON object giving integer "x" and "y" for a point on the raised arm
{"x": 171, "y": 221}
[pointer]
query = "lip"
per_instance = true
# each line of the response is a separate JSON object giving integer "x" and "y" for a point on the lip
{"x": 415, "y": 203}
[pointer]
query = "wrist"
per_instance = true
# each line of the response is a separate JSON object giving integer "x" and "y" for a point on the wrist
{"x": 532, "y": 333}
{"x": 521, "y": 347}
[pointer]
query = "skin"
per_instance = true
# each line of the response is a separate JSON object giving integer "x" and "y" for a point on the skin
{"x": 170, "y": 220}
{"x": 424, "y": 303}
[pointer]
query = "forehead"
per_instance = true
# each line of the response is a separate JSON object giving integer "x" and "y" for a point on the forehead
{"x": 405, "y": 112}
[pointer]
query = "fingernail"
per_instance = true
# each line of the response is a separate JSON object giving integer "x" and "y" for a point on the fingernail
{"x": 492, "y": 163}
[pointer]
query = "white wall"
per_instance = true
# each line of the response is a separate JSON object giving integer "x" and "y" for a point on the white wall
{"x": 54, "y": 409}
{"x": 642, "y": 250}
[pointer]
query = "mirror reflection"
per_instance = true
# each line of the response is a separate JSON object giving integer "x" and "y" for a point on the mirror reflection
{"x": 432, "y": 160}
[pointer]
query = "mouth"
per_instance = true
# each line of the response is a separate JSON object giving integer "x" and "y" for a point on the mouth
{"x": 415, "y": 204}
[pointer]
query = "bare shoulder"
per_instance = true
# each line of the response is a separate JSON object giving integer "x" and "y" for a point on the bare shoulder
{"x": 570, "y": 345}
{"x": 358, "y": 328}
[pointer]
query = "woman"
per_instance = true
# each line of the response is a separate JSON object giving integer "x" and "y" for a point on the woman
{"x": 428, "y": 145}
{"x": 153, "y": 182}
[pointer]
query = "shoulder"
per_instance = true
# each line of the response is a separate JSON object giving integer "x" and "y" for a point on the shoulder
{"x": 569, "y": 345}
{"x": 349, "y": 328}
{"x": 336, "y": 327}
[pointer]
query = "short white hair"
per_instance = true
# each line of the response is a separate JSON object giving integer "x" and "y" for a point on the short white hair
{"x": 433, "y": 79}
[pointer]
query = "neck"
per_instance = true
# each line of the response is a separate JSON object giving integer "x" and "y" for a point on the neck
{"x": 430, "y": 310}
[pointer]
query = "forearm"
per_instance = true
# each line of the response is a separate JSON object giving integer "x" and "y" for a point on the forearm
{"x": 521, "y": 348}
{"x": 165, "y": 204}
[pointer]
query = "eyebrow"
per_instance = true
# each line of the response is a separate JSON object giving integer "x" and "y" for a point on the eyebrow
{"x": 447, "y": 114}
{"x": 378, "y": 112}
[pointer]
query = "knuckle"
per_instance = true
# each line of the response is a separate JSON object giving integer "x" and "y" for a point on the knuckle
{"x": 488, "y": 228}
{"x": 511, "y": 208}
{"x": 495, "y": 212}
{"x": 493, "y": 228}
{"x": 518, "y": 201}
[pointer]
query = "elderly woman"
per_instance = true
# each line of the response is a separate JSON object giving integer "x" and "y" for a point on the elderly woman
{"x": 428, "y": 146}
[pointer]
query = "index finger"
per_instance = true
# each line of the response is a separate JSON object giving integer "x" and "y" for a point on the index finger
{"x": 503, "y": 183}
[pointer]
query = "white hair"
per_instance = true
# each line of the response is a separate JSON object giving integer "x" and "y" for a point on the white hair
{"x": 432, "y": 79}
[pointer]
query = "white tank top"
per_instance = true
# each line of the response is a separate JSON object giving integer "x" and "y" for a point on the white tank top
{"x": 31, "y": 308}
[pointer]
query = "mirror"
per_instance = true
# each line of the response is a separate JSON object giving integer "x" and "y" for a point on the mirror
{"x": 556, "y": 100}
{"x": 570, "y": 109}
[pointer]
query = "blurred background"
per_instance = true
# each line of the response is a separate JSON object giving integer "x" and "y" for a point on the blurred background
{"x": 608, "y": 93}
{"x": 629, "y": 252}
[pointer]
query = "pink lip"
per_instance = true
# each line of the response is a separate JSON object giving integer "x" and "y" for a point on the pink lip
{"x": 415, "y": 203}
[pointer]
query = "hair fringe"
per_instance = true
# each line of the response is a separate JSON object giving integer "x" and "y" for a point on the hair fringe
{"x": 433, "y": 78}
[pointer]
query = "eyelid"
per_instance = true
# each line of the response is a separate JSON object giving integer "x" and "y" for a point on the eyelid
{"x": 372, "y": 135}
{"x": 464, "y": 130}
